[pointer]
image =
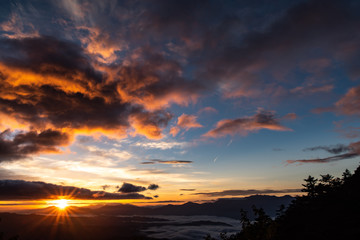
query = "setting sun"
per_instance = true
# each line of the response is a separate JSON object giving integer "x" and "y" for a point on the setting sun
{"x": 61, "y": 203}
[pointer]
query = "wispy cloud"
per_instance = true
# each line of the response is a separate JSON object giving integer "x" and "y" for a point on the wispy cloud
{"x": 324, "y": 160}
{"x": 161, "y": 145}
{"x": 353, "y": 150}
{"x": 334, "y": 149}
{"x": 154, "y": 161}
{"x": 247, "y": 192}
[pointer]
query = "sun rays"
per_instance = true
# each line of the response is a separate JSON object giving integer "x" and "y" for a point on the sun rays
{"x": 61, "y": 203}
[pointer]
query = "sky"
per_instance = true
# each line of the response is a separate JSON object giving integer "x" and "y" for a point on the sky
{"x": 159, "y": 101}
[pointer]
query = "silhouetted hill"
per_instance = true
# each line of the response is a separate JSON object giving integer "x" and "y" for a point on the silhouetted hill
{"x": 227, "y": 207}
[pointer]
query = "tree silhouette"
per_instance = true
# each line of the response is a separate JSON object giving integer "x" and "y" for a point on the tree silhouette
{"x": 326, "y": 211}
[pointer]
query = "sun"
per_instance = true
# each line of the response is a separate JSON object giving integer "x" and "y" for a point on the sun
{"x": 61, "y": 203}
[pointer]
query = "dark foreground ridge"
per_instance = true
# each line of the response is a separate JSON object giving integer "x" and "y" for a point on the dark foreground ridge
{"x": 329, "y": 210}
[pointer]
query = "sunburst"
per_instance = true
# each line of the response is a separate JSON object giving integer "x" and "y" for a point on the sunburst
{"x": 60, "y": 203}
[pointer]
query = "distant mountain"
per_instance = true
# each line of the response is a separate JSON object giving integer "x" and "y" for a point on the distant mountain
{"x": 54, "y": 210}
{"x": 226, "y": 207}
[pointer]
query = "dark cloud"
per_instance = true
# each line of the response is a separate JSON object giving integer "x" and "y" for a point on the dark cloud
{"x": 23, "y": 144}
{"x": 226, "y": 46}
{"x": 247, "y": 192}
{"x": 187, "y": 189}
{"x": 335, "y": 149}
{"x": 48, "y": 56}
{"x": 24, "y": 190}
{"x": 104, "y": 187}
{"x": 262, "y": 120}
{"x": 130, "y": 188}
{"x": 60, "y": 86}
{"x": 279, "y": 47}
{"x": 153, "y": 187}
{"x": 353, "y": 150}
{"x": 325, "y": 160}
{"x": 170, "y": 201}
{"x": 154, "y": 161}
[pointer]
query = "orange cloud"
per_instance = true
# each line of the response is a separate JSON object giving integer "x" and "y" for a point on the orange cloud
{"x": 185, "y": 122}
{"x": 50, "y": 83}
{"x": 174, "y": 131}
{"x": 242, "y": 126}
{"x": 188, "y": 121}
{"x": 149, "y": 124}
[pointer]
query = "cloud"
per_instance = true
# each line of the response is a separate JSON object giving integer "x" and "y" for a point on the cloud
{"x": 25, "y": 190}
{"x": 242, "y": 126}
{"x": 188, "y": 121}
{"x": 349, "y": 103}
{"x": 130, "y": 188}
{"x": 154, "y": 161}
{"x": 346, "y": 105}
{"x": 324, "y": 160}
{"x": 174, "y": 131}
{"x": 353, "y": 150}
{"x": 335, "y": 149}
{"x": 61, "y": 87}
{"x": 153, "y": 187}
{"x": 268, "y": 51}
{"x": 305, "y": 90}
{"x": 17, "y": 27}
{"x": 100, "y": 72}
{"x": 167, "y": 201}
{"x": 290, "y": 116}
{"x": 187, "y": 189}
{"x": 14, "y": 146}
{"x": 104, "y": 187}
{"x": 247, "y": 192}
{"x": 185, "y": 122}
{"x": 150, "y": 124}
{"x": 161, "y": 145}
{"x": 208, "y": 110}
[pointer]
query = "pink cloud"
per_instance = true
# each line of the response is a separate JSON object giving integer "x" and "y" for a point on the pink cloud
{"x": 349, "y": 104}
{"x": 242, "y": 126}
{"x": 188, "y": 121}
